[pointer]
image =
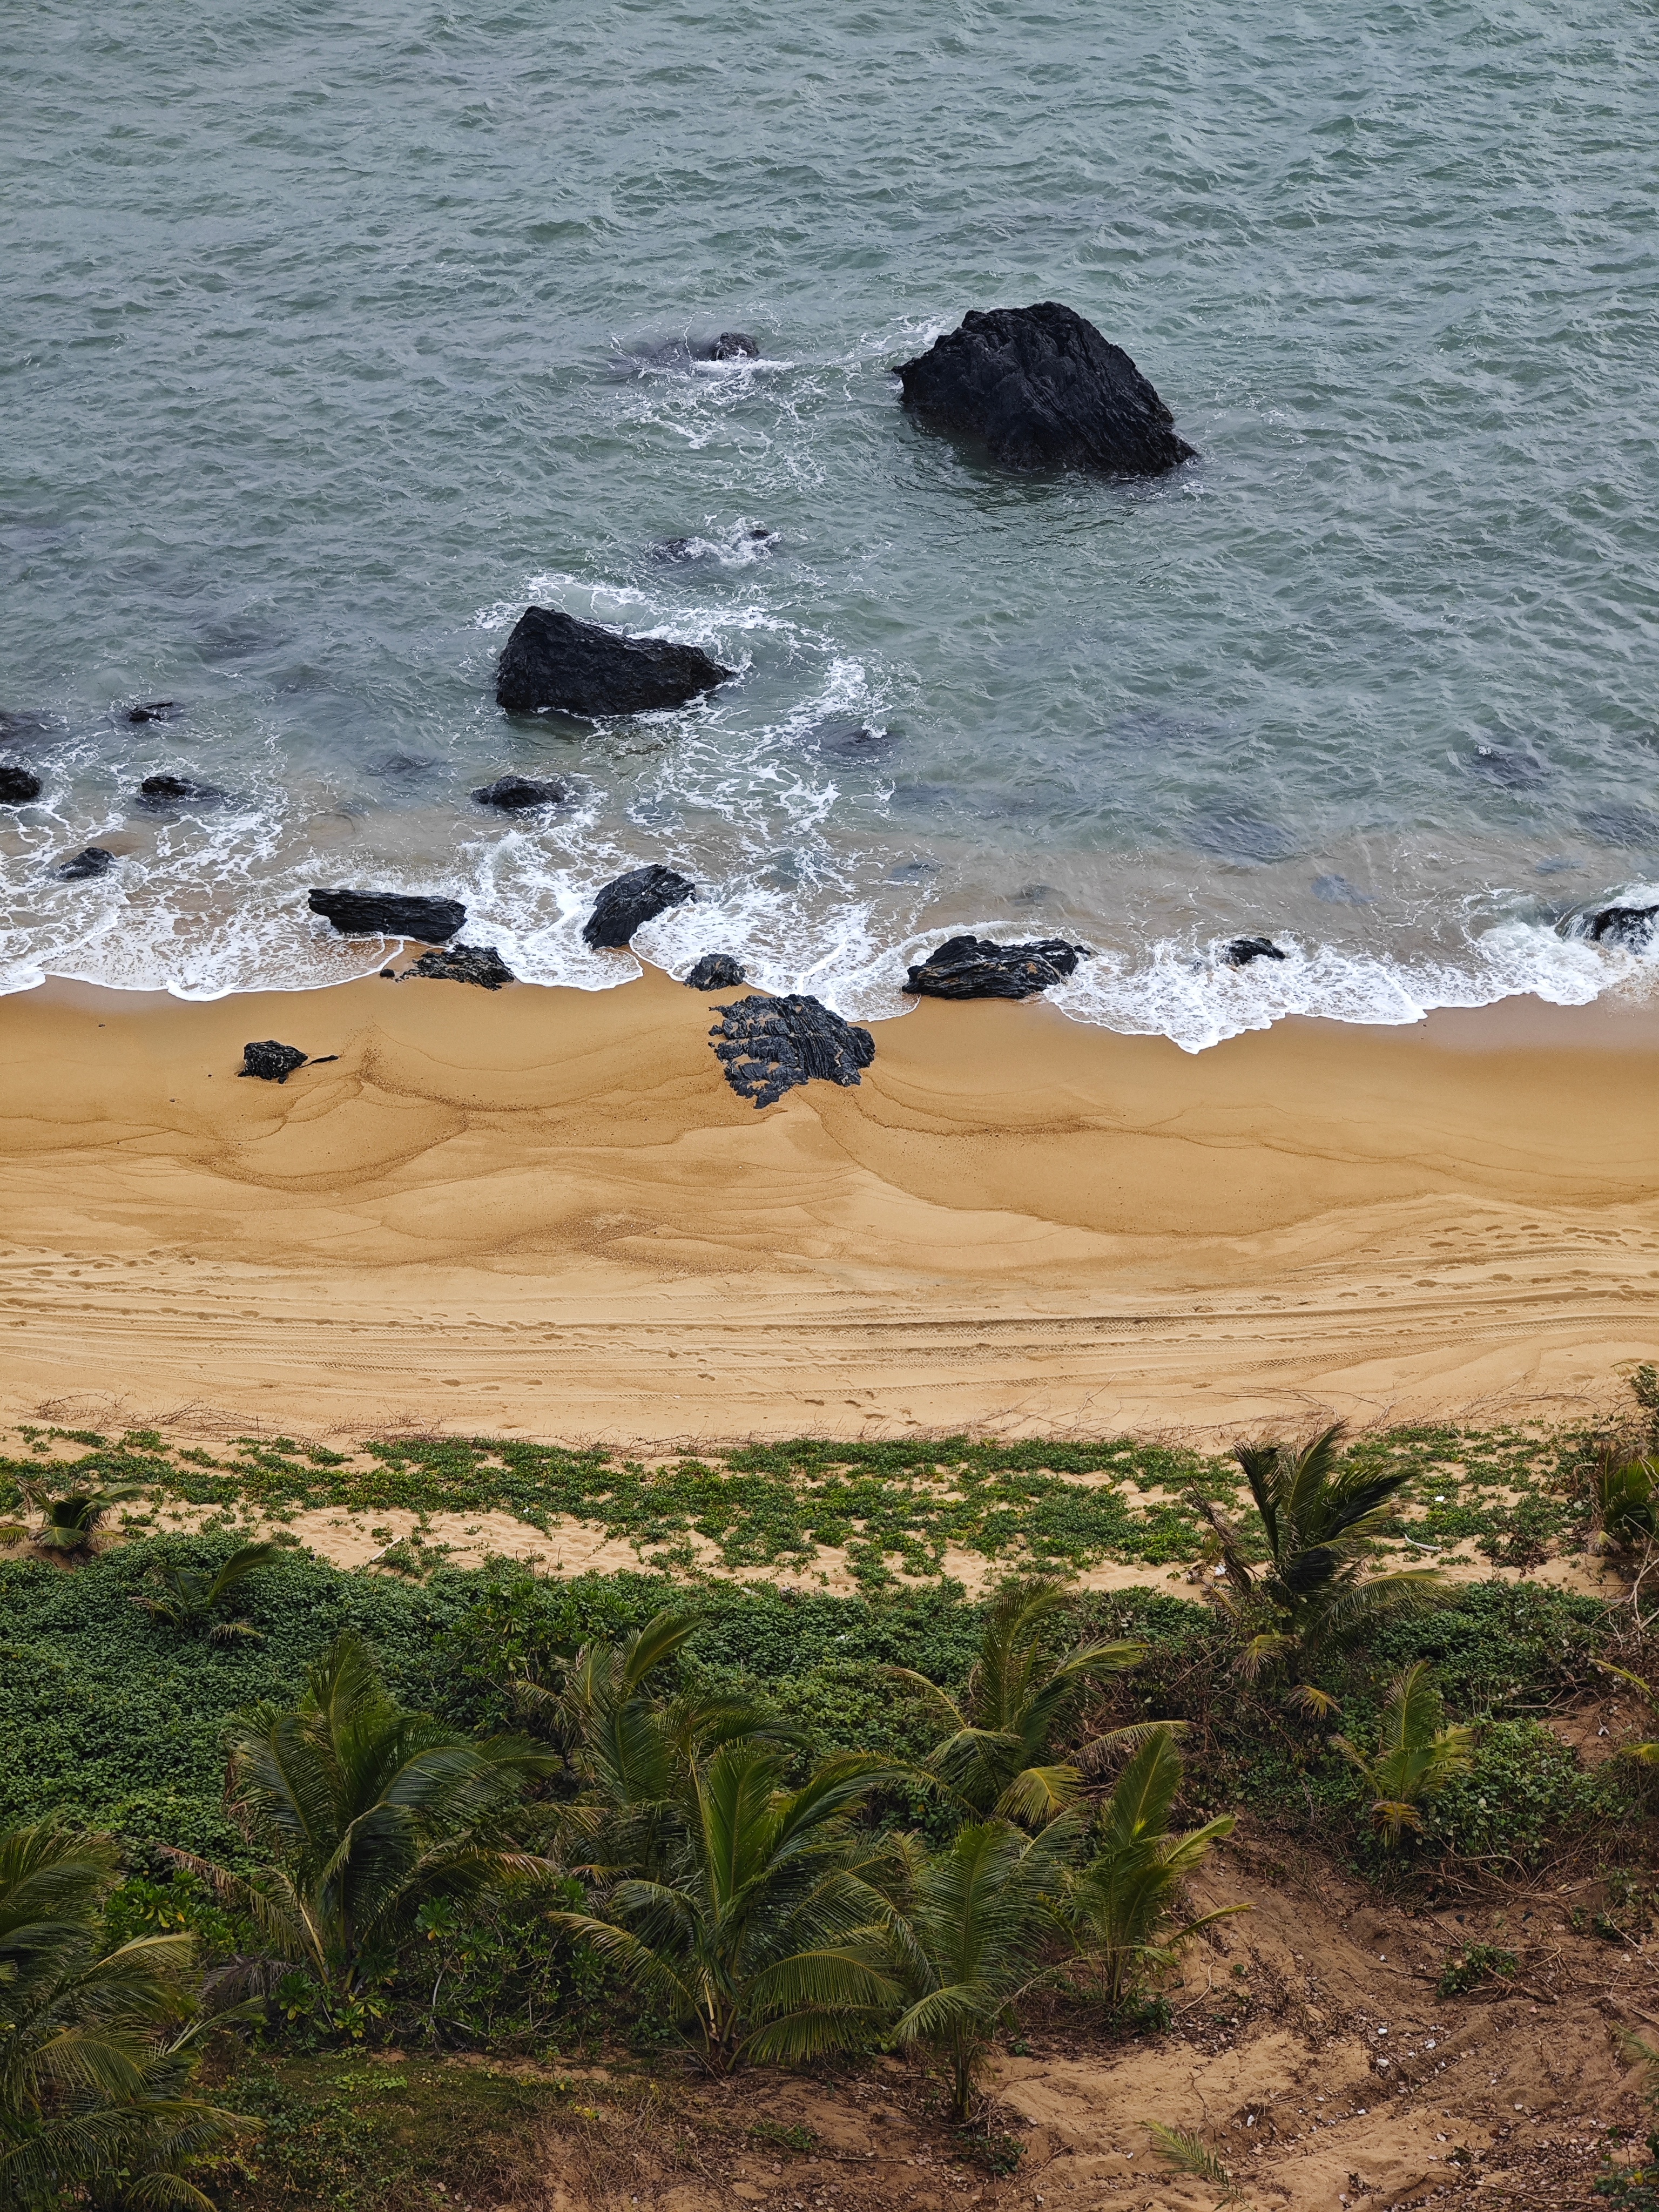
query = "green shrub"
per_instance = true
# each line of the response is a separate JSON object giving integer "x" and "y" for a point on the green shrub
{"x": 1525, "y": 1789}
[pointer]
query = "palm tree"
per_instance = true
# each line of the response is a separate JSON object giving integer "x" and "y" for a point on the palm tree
{"x": 755, "y": 1934}
{"x": 1416, "y": 1756}
{"x": 1312, "y": 1596}
{"x": 1624, "y": 1500}
{"x": 69, "y": 1518}
{"x": 185, "y": 1597}
{"x": 1122, "y": 1904}
{"x": 97, "y": 2047}
{"x": 969, "y": 1941}
{"x": 368, "y": 1809}
{"x": 632, "y": 1748}
{"x": 996, "y": 1758}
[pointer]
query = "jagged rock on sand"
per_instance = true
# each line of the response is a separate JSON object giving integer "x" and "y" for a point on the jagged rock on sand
{"x": 716, "y": 971}
{"x": 1629, "y": 927}
{"x": 628, "y": 902}
{"x": 1243, "y": 949}
{"x": 553, "y": 661}
{"x": 516, "y": 794}
{"x": 93, "y": 861}
{"x": 177, "y": 791}
{"x": 17, "y": 785}
{"x": 1043, "y": 389}
{"x": 155, "y": 710}
{"x": 464, "y": 963}
{"x": 768, "y": 1046}
{"x": 271, "y": 1061}
{"x": 977, "y": 967}
{"x": 391, "y": 913}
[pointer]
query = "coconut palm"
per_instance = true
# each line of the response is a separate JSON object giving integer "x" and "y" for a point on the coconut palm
{"x": 367, "y": 1810}
{"x": 1123, "y": 1905}
{"x": 97, "y": 2047}
{"x": 755, "y": 1934}
{"x": 1312, "y": 1596}
{"x": 1417, "y": 1754}
{"x": 186, "y": 1597}
{"x": 971, "y": 1939}
{"x": 997, "y": 1757}
{"x": 69, "y": 1518}
{"x": 631, "y": 1747}
{"x": 1624, "y": 1500}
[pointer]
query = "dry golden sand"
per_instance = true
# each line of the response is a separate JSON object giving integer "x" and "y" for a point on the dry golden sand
{"x": 543, "y": 1213}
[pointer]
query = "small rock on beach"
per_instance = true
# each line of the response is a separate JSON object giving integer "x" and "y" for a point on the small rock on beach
{"x": 462, "y": 963}
{"x": 716, "y": 971}
{"x": 977, "y": 967}
{"x": 271, "y": 1061}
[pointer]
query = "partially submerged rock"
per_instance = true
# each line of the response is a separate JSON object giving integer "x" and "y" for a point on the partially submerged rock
{"x": 271, "y": 1061}
{"x": 93, "y": 861}
{"x": 768, "y": 1046}
{"x": 1243, "y": 949}
{"x": 17, "y": 785}
{"x": 628, "y": 902}
{"x": 733, "y": 345}
{"x": 464, "y": 963}
{"x": 716, "y": 971}
{"x": 553, "y": 661}
{"x": 976, "y": 967}
{"x": 1630, "y": 928}
{"x": 157, "y": 791}
{"x": 517, "y": 794}
{"x": 1043, "y": 389}
{"x": 391, "y": 913}
{"x": 155, "y": 710}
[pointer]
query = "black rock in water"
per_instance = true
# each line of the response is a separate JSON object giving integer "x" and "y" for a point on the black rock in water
{"x": 733, "y": 345}
{"x": 1243, "y": 949}
{"x": 552, "y": 660}
{"x": 271, "y": 1061}
{"x": 1629, "y": 927}
{"x": 17, "y": 785}
{"x": 975, "y": 968}
{"x": 766, "y": 1046}
{"x": 156, "y": 791}
{"x": 391, "y": 913}
{"x": 628, "y": 900}
{"x": 1044, "y": 390}
{"x": 516, "y": 794}
{"x": 155, "y": 710}
{"x": 94, "y": 861}
{"x": 464, "y": 963}
{"x": 716, "y": 971}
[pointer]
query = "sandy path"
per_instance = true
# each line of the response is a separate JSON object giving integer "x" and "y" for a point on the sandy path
{"x": 543, "y": 1212}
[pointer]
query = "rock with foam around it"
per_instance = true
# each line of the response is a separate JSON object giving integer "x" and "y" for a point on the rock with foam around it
{"x": 464, "y": 963}
{"x": 81, "y": 866}
{"x": 627, "y": 903}
{"x": 554, "y": 662}
{"x": 391, "y": 913}
{"x": 1043, "y": 389}
{"x": 716, "y": 971}
{"x": 1245, "y": 949}
{"x": 1631, "y": 927}
{"x": 975, "y": 968}
{"x": 519, "y": 795}
{"x": 17, "y": 785}
{"x": 769, "y": 1046}
{"x": 160, "y": 790}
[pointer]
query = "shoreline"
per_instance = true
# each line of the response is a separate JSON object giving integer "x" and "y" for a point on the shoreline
{"x": 543, "y": 1213}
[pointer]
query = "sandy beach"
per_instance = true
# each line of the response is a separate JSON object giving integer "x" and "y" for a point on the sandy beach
{"x": 543, "y": 1212}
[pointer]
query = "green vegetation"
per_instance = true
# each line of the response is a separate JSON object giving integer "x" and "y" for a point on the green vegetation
{"x": 479, "y": 1815}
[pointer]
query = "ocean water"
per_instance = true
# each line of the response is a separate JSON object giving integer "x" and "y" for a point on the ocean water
{"x": 332, "y": 336}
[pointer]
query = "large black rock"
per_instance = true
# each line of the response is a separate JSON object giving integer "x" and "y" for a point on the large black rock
{"x": 628, "y": 900}
{"x": 716, "y": 971}
{"x": 159, "y": 791}
{"x": 17, "y": 785}
{"x": 271, "y": 1061}
{"x": 552, "y": 660}
{"x": 1244, "y": 949}
{"x": 1631, "y": 926}
{"x": 94, "y": 861}
{"x": 1044, "y": 390}
{"x": 975, "y": 968}
{"x": 391, "y": 913}
{"x": 464, "y": 963}
{"x": 517, "y": 794}
{"x": 766, "y": 1046}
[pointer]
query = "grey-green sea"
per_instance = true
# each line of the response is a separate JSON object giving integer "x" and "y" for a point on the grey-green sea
{"x": 333, "y": 335}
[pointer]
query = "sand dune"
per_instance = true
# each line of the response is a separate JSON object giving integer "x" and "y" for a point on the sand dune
{"x": 544, "y": 1211}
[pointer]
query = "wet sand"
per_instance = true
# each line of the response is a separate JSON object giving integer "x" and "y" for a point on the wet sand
{"x": 543, "y": 1213}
